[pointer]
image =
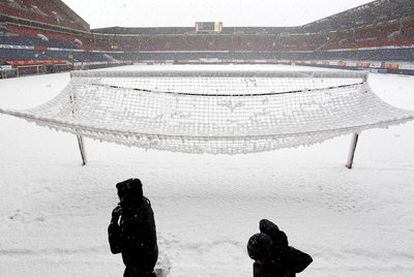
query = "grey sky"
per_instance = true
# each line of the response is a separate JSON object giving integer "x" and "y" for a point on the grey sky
{"x": 153, "y": 13}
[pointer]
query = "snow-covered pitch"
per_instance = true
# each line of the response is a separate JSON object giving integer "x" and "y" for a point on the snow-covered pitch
{"x": 54, "y": 213}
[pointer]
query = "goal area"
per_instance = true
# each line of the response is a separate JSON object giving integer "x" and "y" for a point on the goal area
{"x": 217, "y": 112}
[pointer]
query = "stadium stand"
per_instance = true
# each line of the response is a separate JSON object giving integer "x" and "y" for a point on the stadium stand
{"x": 378, "y": 35}
{"x": 47, "y": 36}
{"x": 369, "y": 14}
{"x": 48, "y": 12}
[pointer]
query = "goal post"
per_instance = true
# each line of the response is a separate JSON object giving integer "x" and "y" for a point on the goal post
{"x": 352, "y": 149}
{"x": 81, "y": 145}
{"x": 73, "y": 113}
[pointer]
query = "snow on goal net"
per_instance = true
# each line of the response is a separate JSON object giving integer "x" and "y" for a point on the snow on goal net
{"x": 226, "y": 112}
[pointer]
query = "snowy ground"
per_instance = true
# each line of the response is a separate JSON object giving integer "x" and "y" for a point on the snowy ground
{"x": 54, "y": 213}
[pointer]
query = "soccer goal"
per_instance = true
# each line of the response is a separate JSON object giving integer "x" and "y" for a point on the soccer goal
{"x": 220, "y": 112}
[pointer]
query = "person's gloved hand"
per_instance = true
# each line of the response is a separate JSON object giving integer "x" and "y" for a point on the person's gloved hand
{"x": 116, "y": 213}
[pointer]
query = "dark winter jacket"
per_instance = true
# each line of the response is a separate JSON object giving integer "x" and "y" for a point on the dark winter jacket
{"x": 286, "y": 264}
{"x": 135, "y": 237}
{"x": 283, "y": 260}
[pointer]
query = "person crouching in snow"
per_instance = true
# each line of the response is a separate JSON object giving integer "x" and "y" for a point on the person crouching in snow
{"x": 132, "y": 230}
{"x": 272, "y": 254}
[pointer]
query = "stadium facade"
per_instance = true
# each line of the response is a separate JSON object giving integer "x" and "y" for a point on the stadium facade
{"x": 47, "y": 36}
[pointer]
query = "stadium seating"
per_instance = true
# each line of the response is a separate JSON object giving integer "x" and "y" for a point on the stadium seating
{"x": 390, "y": 34}
{"x": 39, "y": 11}
{"x": 369, "y": 37}
{"x": 33, "y": 55}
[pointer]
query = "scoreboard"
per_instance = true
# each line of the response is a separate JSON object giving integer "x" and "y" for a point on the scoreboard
{"x": 209, "y": 27}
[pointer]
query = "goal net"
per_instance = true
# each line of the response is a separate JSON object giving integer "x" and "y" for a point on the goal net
{"x": 225, "y": 112}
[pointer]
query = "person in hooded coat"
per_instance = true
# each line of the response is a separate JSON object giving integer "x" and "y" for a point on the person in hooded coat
{"x": 132, "y": 230}
{"x": 272, "y": 254}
